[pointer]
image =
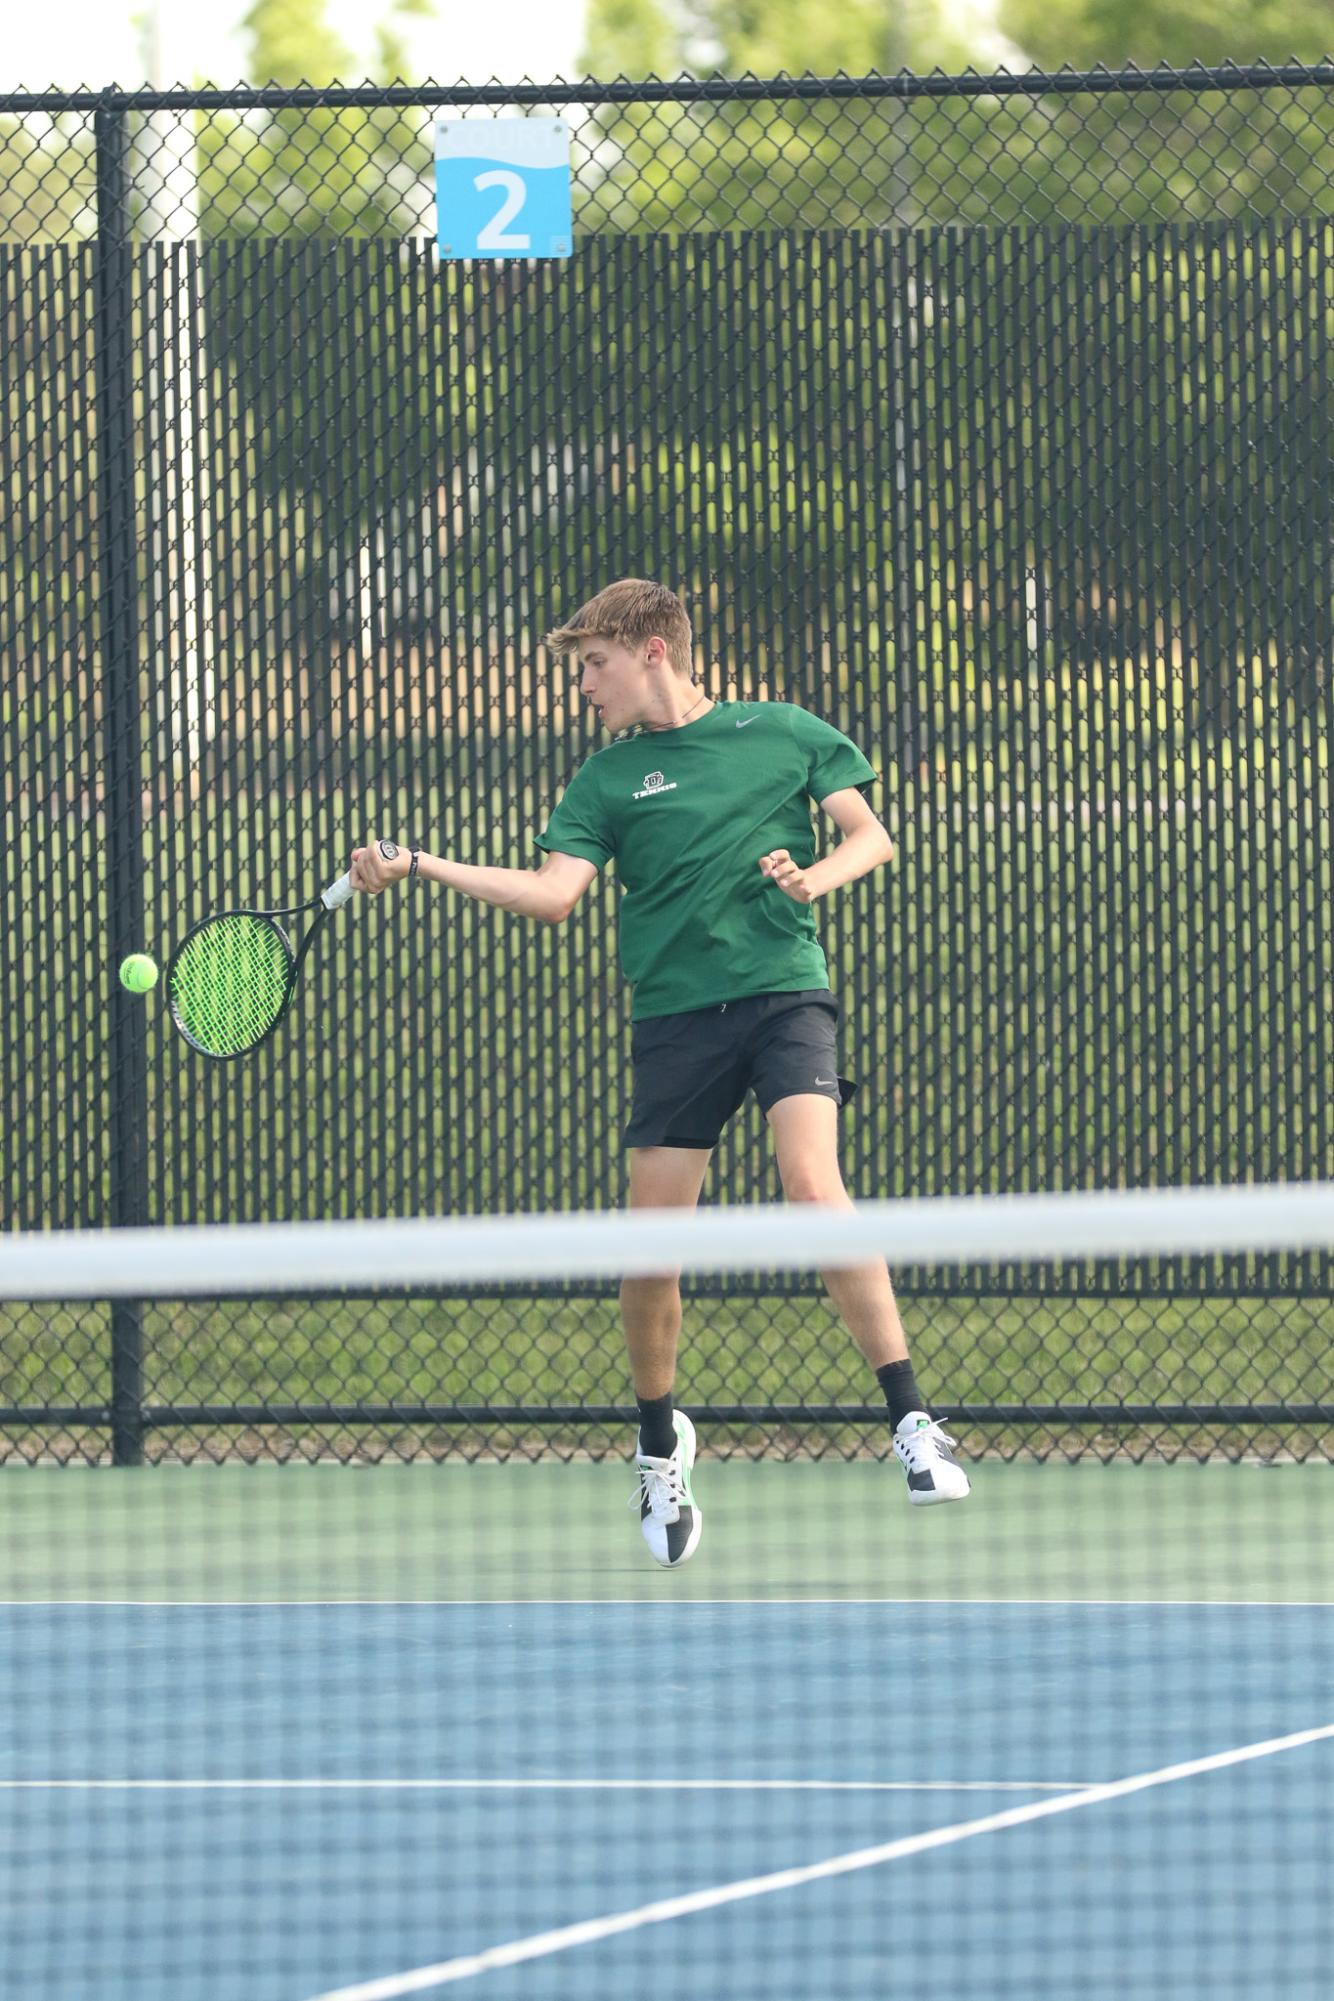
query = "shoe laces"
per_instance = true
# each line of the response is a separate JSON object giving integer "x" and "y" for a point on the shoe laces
{"x": 662, "y": 1484}
{"x": 928, "y": 1436}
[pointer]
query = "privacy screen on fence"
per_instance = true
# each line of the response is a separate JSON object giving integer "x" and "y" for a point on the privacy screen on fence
{"x": 1035, "y": 504}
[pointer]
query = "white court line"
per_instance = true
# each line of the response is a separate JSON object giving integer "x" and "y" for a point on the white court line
{"x": 593, "y": 1930}
{"x": 544, "y": 1785}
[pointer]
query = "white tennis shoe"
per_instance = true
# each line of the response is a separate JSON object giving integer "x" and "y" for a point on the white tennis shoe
{"x": 923, "y": 1450}
{"x": 668, "y": 1517}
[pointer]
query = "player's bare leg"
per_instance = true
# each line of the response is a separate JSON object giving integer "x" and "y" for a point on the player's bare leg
{"x": 805, "y": 1132}
{"x": 661, "y": 1177}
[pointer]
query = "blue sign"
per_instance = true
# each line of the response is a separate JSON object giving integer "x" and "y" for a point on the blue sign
{"x": 502, "y": 187}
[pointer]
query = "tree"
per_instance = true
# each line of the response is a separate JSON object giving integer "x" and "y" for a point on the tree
{"x": 1077, "y": 193}
{"x": 312, "y": 172}
{"x": 1081, "y": 33}
{"x": 46, "y": 182}
{"x": 844, "y": 164}
{"x": 291, "y": 42}
{"x": 630, "y": 38}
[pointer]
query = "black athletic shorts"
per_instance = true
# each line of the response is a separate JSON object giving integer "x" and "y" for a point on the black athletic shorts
{"x": 692, "y": 1070}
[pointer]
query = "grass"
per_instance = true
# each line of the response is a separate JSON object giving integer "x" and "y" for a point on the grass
{"x": 537, "y": 1352}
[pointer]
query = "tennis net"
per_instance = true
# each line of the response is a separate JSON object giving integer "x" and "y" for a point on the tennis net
{"x": 354, "y": 1725}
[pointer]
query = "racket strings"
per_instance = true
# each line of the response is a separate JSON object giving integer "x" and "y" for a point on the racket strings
{"x": 229, "y": 983}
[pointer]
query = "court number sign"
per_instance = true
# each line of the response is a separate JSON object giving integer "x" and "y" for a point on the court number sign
{"x": 502, "y": 187}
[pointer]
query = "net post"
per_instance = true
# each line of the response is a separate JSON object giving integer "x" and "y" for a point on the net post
{"x": 118, "y": 634}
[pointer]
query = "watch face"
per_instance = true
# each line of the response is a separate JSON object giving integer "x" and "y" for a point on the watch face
{"x": 389, "y": 849}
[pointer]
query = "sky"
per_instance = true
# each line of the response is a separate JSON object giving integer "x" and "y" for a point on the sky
{"x": 95, "y": 42}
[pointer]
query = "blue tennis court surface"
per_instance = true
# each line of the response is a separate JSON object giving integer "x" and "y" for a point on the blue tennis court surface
{"x": 273, "y": 1802}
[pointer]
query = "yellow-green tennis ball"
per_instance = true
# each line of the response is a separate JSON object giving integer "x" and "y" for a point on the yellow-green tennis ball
{"x": 138, "y": 973}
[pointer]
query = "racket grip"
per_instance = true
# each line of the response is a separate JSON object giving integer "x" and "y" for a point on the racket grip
{"x": 337, "y": 892}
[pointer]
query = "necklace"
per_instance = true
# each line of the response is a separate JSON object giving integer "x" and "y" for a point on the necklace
{"x": 680, "y": 719}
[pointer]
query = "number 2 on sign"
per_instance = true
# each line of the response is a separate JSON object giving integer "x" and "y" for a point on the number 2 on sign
{"x": 491, "y": 236}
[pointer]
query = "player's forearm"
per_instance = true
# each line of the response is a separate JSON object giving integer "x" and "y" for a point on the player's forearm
{"x": 856, "y": 855}
{"x": 518, "y": 889}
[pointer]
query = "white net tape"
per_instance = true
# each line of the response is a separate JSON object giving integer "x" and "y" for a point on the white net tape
{"x": 210, "y": 1260}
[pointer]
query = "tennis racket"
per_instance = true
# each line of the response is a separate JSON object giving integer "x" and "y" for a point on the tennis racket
{"x": 232, "y": 977}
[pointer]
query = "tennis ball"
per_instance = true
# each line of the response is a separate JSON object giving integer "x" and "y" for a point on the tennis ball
{"x": 138, "y": 973}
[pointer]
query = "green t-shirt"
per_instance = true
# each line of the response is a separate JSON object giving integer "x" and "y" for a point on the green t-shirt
{"x": 687, "y": 814}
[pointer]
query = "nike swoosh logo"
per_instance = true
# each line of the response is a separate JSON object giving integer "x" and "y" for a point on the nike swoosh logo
{"x": 749, "y": 720}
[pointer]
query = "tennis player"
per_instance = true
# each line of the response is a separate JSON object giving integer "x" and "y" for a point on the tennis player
{"x": 704, "y": 807}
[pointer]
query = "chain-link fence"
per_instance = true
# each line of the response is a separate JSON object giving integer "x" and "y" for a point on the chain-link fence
{"x": 987, "y": 417}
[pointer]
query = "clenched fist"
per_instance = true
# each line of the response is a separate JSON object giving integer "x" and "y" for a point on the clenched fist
{"x": 780, "y": 868}
{"x": 378, "y": 864}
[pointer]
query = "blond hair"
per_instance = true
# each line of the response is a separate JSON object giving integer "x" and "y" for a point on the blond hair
{"x": 631, "y": 612}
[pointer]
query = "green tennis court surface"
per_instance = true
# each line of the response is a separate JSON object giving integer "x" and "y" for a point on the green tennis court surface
{"x": 538, "y": 1531}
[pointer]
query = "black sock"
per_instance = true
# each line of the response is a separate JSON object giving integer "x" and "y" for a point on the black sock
{"x": 657, "y": 1435}
{"x": 901, "y": 1391}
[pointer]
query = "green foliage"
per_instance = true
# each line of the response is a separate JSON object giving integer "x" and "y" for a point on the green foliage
{"x": 46, "y": 179}
{"x": 769, "y": 37}
{"x": 313, "y": 172}
{"x": 304, "y": 173}
{"x": 1081, "y": 33}
{"x": 843, "y": 163}
{"x": 635, "y": 38}
{"x": 292, "y": 42}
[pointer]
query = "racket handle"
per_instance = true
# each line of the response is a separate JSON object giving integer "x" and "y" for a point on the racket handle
{"x": 337, "y": 892}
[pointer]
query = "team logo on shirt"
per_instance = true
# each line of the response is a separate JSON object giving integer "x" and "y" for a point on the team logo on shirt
{"x": 654, "y": 782}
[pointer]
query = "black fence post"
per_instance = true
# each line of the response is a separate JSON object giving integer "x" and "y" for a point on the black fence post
{"x": 113, "y": 306}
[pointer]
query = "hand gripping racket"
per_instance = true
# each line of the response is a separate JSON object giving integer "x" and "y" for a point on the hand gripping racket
{"x": 231, "y": 978}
